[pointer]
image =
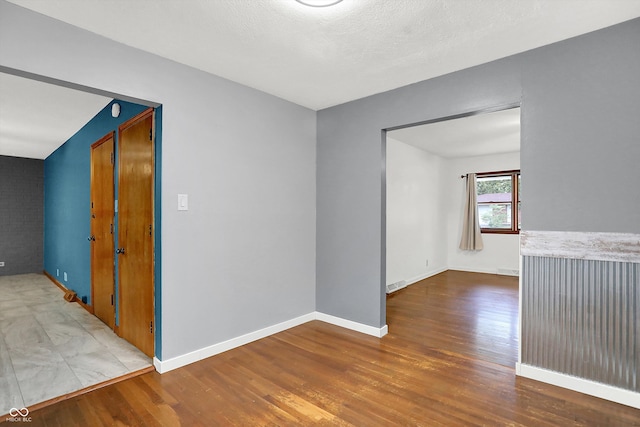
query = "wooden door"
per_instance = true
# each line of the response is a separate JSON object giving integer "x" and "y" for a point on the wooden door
{"x": 101, "y": 239}
{"x": 135, "y": 231}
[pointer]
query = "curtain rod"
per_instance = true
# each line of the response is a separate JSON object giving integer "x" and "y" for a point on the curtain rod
{"x": 496, "y": 173}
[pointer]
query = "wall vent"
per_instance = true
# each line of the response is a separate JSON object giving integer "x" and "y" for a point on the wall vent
{"x": 392, "y": 287}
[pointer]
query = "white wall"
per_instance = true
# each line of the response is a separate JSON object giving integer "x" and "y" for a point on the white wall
{"x": 416, "y": 220}
{"x": 500, "y": 250}
{"x": 425, "y": 200}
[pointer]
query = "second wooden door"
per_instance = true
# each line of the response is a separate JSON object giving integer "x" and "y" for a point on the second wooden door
{"x": 135, "y": 231}
{"x": 101, "y": 238}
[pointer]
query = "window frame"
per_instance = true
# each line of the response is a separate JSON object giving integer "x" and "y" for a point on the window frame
{"x": 515, "y": 200}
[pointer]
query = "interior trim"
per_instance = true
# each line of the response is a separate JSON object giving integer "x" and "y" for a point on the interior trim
{"x": 592, "y": 388}
{"x": 616, "y": 247}
{"x": 354, "y": 326}
{"x": 85, "y": 390}
{"x": 65, "y": 289}
{"x": 163, "y": 366}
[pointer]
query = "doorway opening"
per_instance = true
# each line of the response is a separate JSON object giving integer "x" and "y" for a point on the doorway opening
{"x": 61, "y": 325}
{"x": 424, "y": 201}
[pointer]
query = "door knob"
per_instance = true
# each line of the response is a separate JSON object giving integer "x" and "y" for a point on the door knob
{"x": 120, "y": 251}
{"x": 91, "y": 238}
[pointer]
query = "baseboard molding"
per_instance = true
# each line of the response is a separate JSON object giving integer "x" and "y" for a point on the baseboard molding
{"x": 416, "y": 279}
{"x": 483, "y": 270}
{"x": 350, "y": 324}
{"x": 163, "y": 366}
{"x": 603, "y": 391}
{"x": 63, "y": 288}
{"x": 474, "y": 270}
{"x": 426, "y": 276}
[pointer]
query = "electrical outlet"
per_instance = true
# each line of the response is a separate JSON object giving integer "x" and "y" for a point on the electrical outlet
{"x": 57, "y": 272}
{"x": 1, "y": 263}
{"x": 427, "y": 263}
{"x": 65, "y": 276}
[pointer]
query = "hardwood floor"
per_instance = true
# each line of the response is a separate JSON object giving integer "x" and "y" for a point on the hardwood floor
{"x": 471, "y": 314}
{"x": 421, "y": 374}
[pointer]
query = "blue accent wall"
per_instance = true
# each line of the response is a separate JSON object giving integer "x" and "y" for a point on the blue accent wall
{"x": 67, "y": 178}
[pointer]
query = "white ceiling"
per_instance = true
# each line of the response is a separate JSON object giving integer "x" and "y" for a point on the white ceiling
{"x": 36, "y": 118}
{"x": 482, "y": 134}
{"x": 320, "y": 57}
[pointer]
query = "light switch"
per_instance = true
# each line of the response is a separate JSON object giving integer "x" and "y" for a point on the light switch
{"x": 183, "y": 202}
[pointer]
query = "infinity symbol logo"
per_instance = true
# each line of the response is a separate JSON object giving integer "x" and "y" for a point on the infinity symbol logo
{"x": 14, "y": 412}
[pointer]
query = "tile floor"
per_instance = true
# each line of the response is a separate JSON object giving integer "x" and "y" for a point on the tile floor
{"x": 50, "y": 347}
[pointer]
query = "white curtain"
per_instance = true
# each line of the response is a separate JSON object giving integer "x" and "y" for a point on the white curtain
{"x": 471, "y": 237}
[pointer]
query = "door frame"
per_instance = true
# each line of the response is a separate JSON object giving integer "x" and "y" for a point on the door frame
{"x": 383, "y": 191}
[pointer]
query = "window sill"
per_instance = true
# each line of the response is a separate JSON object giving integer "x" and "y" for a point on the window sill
{"x": 498, "y": 231}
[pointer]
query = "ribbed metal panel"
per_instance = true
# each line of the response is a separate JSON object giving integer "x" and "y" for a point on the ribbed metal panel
{"x": 581, "y": 318}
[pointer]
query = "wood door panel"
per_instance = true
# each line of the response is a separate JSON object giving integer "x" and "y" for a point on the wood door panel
{"x": 102, "y": 243}
{"x": 135, "y": 231}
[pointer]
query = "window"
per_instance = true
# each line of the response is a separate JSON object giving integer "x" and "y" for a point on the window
{"x": 498, "y": 193}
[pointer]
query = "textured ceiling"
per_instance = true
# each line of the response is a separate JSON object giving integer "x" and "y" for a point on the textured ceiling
{"x": 479, "y": 135}
{"x": 36, "y": 118}
{"x": 320, "y": 57}
{"x": 315, "y": 57}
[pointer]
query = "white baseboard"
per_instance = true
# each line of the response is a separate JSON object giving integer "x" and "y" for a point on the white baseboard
{"x": 474, "y": 270}
{"x": 499, "y": 271}
{"x": 484, "y": 270}
{"x": 603, "y": 391}
{"x": 163, "y": 366}
{"x": 416, "y": 279}
{"x": 355, "y": 326}
{"x": 426, "y": 276}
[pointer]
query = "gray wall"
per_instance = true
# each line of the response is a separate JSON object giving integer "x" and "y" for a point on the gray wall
{"x": 243, "y": 256}
{"x": 21, "y": 215}
{"x": 580, "y": 151}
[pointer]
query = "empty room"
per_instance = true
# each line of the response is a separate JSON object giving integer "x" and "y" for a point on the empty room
{"x": 466, "y": 294}
{"x": 268, "y": 212}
